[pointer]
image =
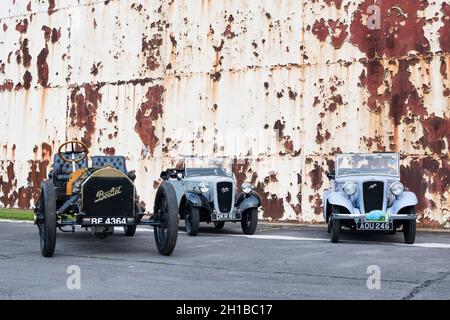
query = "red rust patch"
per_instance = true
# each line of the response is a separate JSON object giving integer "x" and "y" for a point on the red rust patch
{"x": 9, "y": 196}
{"x": 47, "y": 33}
{"x": 436, "y": 131}
{"x": 228, "y": 33}
{"x": 151, "y": 50}
{"x": 5, "y": 27}
{"x": 84, "y": 109}
{"x": 444, "y": 31}
{"x": 316, "y": 177}
{"x": 22, "y": 26}
{"x": 7, "y": 86}
{"x": 398, "y": 21}
{"x": 56, "y": 35}
{"x": 404, "y": 96}
{"x": 27, "y": 80}
{"x": 146, "y": 116}
{"x": 337, "y": 3}
{"x": 273, "y": 206}
{"x": 42, "y": 67}
{"x": 110, "y": 151}
{"x": 338, "y": 33}
{"x": 26, "y": 57}
{"x": 51, "y": 7}
{"x": 320, "y": 30}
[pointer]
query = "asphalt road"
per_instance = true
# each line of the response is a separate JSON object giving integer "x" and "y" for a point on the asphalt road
{"x": 290, "y": 262}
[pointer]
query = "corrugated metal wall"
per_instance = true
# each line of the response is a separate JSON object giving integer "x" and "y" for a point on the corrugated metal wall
{"x": 292, "y": 81}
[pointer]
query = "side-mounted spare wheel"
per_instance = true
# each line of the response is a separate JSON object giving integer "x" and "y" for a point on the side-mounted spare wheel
{"x": 166, "y": 212}
{"x": 46, "y": 219}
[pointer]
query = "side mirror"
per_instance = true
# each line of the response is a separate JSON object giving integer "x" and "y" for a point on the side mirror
{"x": 331, "y": 175}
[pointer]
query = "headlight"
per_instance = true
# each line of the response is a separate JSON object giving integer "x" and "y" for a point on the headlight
{"x": 204, "y": 187}
{"x": 349, "y": 188}
{"x": 397, "y": 188}
{"x": 246, "y": 187}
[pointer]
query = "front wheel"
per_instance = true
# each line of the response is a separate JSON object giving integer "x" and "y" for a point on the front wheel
{"x": 335, "y": 229}
{"x": 129, "y": 230}
{"x": 219, "y": 224}
{"x": 192, "y": 220}
{"x": 46, "y": 219}
{"x": 409, "y": 231}
{"x": 166, "y": 212}
{"x": 249, "y": 221}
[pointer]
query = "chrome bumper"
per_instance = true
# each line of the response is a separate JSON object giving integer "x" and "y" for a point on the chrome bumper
{"x": 358, "y": 217}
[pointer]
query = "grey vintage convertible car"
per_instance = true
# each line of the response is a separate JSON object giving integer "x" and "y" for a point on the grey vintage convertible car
{"x": 206, "y": 192}
{"x": 366, "y": 194}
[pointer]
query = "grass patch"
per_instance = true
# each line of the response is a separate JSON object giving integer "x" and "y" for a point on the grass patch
{"x": 16, "y": 214}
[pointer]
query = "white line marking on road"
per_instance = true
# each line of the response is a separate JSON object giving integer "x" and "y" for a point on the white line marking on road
{"x": 16, "y": 221}
{"x": 290, "y": 238}
{"x": 276, "y": 237}
{"x": 427, "y": 245}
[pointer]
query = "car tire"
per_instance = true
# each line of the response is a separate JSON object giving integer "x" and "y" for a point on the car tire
{"x": 409, "y": 231}
{"x": 129, "y": 230}
{"x": 219, "y": 224}
{"x": 192, "y": 220}
{"x": 249, "y": 221}
{"x": 328, "y": 225}
{"x": 166, "y": 211}
{"x": 47, "y": 225}
{"x": 335, "y": 229}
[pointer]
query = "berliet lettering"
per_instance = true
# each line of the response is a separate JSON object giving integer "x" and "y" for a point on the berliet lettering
{"x": 103, "y": 195}
{"x": 372, "y": 186}
{"x": 225, "y": 190}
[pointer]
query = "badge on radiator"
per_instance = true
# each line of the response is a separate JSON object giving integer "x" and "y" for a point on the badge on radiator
{"x": 103, "y": 195}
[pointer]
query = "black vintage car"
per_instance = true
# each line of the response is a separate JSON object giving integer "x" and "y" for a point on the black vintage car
{"x": 99, "y": 196}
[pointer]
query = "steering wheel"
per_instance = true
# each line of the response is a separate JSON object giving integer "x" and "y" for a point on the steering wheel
{"x": 84, "y": 151}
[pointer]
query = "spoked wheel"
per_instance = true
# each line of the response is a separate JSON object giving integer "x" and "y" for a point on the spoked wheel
{"x": 129, "y": 230}
{"x": 192, "y": 220}
{"x": 219, "y": 224}
{"x": 166, "y": 212}
{"x": 46, "y": 219}
{"x": 249, "y": 221}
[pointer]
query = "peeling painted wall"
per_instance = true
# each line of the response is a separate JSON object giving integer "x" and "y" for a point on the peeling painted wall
{"x": 125, "y": 76}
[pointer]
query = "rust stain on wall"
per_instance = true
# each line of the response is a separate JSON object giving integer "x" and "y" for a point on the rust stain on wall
{"x": 311, "y": 72}
{"x": 84, "y": 103}
{"x": 148, "y": 114}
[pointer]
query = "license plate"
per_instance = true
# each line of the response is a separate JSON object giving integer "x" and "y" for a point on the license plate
{"x": 225, "y": 216}
{"x": 112, "y": 220}
{"x": 374, "y": 226}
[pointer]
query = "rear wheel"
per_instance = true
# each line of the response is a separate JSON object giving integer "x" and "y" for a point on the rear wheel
{"x": 192, "y": 220}
{"x": 129, "y": 230}
{"x": 219, "y": 224}
{"x": 249, "y": 221}
{"x": 166, "y": 212}
{"x": 46, "y": 220}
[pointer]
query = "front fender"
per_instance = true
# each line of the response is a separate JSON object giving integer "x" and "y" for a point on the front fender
{"x": 248, "y": 201}
{"x": 339, "y": 199}
{"x": 406, "y": 199}
{"x": 197, "y": 200}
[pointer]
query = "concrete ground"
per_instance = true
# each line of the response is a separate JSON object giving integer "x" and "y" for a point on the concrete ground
{"x": 278, "y": 262}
